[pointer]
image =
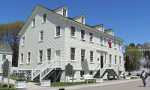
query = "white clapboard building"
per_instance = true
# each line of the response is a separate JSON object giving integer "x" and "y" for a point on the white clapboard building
{"x": 50, "y": 40}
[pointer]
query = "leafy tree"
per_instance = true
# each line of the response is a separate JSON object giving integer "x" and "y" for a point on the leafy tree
{"x": 132, "y": 57}
{"x": 9, "y": 33}
{"x": 6, "y": 69}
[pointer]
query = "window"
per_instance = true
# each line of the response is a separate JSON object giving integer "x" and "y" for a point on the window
{"x": 33, "y": 22}
{"x": 4, "y": 57}
{"x": 115, "y": 59}
{"x": 64, "y": 12}
{"x": 44, "y": 18}
{"x": 49, "y": 54}
{"x": 40, "y": 56}
{"x": 72, "y": 31}
{"x": 21, "y": 58}
{"x": 23, "y": 40}
{"x": 120, "y": 59}
{"x": 28, "y": 57}
{"x": 81, "y": 73}
{"x": 91, "y": 56}
{"x": 110, "y": 57}
{"x": 82, "y": 54}
{"x": 101, "y": 41}
{"x": 72, "y": 54}
{"x": 58, "y": 31}
{"x": 41, "y": 35}
{"x": 91, "y": 37}
{"x": 83, "y": 35}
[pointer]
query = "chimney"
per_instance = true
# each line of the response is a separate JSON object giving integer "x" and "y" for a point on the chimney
{"x": 80, "y": 19}
{"x": 99, "y": 27}
{"x": 62, "y": 11}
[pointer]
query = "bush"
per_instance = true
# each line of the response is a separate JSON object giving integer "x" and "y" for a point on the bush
{"x": 5, "y": 87}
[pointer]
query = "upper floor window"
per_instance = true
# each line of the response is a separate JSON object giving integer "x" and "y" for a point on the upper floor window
{"x": 83, "y": 35}
{"x": 58, "y": 31}
{"x": 115, "y": 59}
{"x": 21, "y": 58}
{"x": 101, "y": 40}
{"x": 72, "y": 55}
{"x": 44, "y": 18}
{"x": 64, "y": 12}
{"x": 82, "y": 54}
{"x": 41, "y": 35}
{"x": 73, "y": 31}
{"x": 110, "y": 58}
{"x": 120, "y": 59}
{"x": 91, "y": 56}
{"x": 33, "y": 22}
{"x": 23, "y": 40}
{"x": 28, "y": 57}
{"x": 49, "y": 54}
{"x": 40, "y": 56}
{"x": 91, "y": 37}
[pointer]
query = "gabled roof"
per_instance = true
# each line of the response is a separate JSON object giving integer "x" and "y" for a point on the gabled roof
{"x": 5, "y": 48}
{"x": 65, "y": 18}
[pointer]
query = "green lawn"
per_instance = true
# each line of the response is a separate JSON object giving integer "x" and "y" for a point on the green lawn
{"x": 57, "y": 84}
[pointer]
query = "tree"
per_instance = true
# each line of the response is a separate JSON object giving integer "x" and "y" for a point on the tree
{"x": 69, "y": 70}
{"x": 6, "y": 70}
{"x": 9, "y": 33}
{"x": 132, "y": 57}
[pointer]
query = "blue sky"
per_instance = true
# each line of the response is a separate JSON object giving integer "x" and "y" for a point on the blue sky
{"x": 130, "y": 19}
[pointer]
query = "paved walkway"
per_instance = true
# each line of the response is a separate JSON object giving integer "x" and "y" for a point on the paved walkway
{"x": 33, "y": 86}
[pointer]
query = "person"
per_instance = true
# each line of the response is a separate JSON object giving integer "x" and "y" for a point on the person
{"x": 144, "y": 76}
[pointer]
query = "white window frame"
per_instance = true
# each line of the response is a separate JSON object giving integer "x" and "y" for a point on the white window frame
{"x": 91, "y": 37}
{"x": 41, "y": 36}
{"x": 56, "y": 34}
{"x": 23, "y": 41}
{"x": 83, "y": 35}
{"x": 91, "y": 56}
{"x": 40, "y": 57}
{"x": 115, "y": 59}
{"x": 49, "y": 52}
{"x": 72, "y": 54}
{"x": 21, "y": 58}
{"x": 28, "y": 58}
{"x": 44, "y": 18}
{"x": 73, "y": 31}
{"x": 33, "y": 22}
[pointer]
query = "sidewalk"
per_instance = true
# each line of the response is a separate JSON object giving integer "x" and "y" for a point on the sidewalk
{"x": 33, "y": 86}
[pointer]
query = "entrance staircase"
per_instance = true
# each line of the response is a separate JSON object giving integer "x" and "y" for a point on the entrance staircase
{"x": 42, "y": 70}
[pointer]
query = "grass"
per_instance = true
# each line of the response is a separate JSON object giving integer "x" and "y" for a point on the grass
{"x": 58, "y": 84}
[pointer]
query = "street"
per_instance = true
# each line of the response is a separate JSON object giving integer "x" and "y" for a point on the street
{"x": 136, "y": 85}
{"x": 107, "y": 85}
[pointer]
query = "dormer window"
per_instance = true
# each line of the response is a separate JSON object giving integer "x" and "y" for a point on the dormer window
{"x": 64, "y": 12}
{"x": 83, "y": 35}
{"x": 73, "y": 31}
{"x": 44, "y": 18}
{"x": 33, "y": 22}
{"x": 91, "y": 37}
